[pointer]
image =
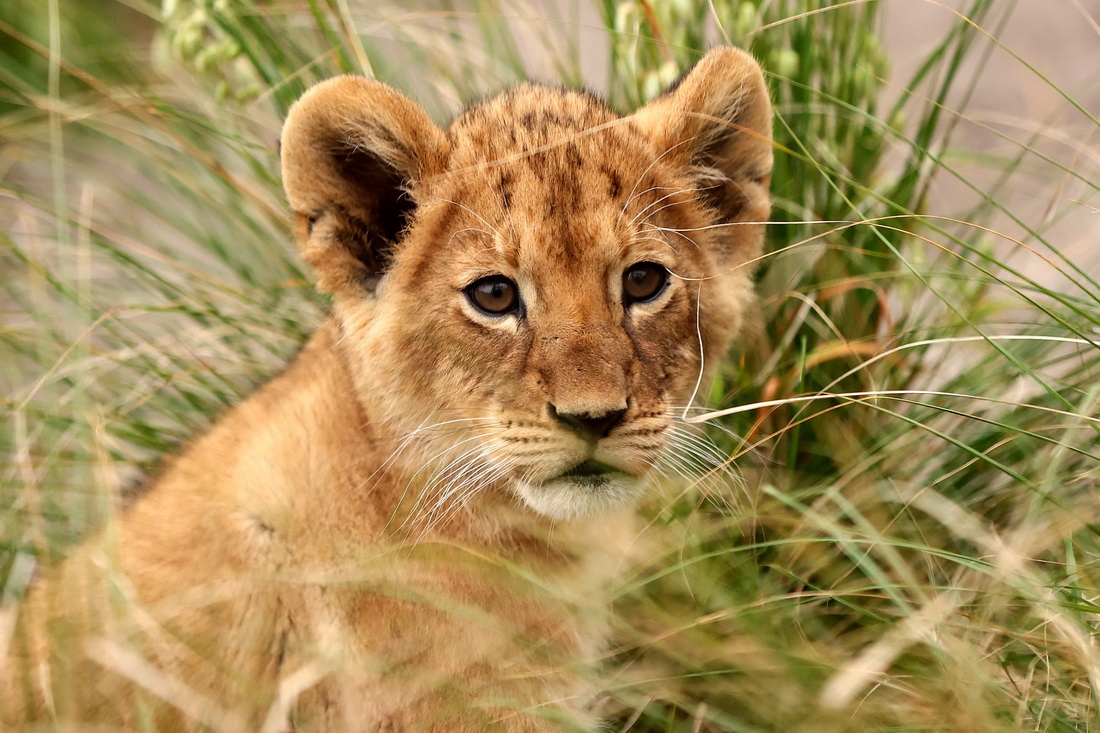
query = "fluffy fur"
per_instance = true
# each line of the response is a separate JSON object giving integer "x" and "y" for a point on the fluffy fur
{"x": 393, "y": 535}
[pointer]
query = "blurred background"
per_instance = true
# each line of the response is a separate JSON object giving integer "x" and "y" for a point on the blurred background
{"x": 890, "y": 519}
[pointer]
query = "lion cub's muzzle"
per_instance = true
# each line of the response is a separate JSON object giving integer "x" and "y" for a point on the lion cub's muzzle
{"x": 588, "y": 459}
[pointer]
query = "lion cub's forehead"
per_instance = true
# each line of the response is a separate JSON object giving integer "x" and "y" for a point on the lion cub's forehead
{"x": 525, "y": 118}
{"x": 552, "y": 172}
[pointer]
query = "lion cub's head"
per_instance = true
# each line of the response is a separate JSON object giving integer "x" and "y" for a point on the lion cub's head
{"x": 537, "y": 289}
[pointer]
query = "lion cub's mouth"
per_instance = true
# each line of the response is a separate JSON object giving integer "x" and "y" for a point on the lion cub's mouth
{"x": 590, "y": 468}
{"x": 588, "y": 487}
{"x": 592, "y": 474}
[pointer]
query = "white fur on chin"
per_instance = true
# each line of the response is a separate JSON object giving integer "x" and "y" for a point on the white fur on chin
{"x": 569, "y": 497}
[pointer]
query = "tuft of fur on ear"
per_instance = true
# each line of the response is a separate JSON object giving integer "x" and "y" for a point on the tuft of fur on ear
{"x": 353, "y": 152}
{"x": 717, "y": 122}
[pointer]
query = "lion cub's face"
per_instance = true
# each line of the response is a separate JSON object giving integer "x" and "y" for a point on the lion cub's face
{"x": 550, "y": 299}
{"x": 536, "y": 291}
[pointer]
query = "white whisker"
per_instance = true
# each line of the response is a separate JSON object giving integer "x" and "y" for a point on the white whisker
{"x": 699, "y": 335}
{"x": 429, "y": 462}
{"x": 480, "y": 218}
{"x": 667, "y": 196}
{"x": 655, "y": 161}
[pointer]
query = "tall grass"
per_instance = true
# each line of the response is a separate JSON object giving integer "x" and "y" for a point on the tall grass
{"x": 914, "y": 544}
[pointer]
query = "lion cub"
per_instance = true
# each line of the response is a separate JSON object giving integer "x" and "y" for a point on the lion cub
{"x": 414, "y": 526}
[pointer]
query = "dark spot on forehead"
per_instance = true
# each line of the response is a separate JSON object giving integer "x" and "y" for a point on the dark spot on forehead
{"x": 615, "y": 182}
{"x": 551, "y": 118}
{"x": 504, "y": 187}
{"x": 538, "y": 163}
{"x": 573, "y": 157}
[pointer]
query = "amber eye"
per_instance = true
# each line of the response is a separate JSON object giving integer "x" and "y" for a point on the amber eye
{"x": 643, "y": 282}
{"x": 495, "y": 295}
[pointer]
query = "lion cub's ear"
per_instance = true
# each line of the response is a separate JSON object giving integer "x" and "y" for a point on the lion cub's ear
{"x": 717, "y": 121}
{"x": 353, "y": 153}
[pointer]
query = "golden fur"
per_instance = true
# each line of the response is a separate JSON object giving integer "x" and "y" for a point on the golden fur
{"x": 388, "y": 536}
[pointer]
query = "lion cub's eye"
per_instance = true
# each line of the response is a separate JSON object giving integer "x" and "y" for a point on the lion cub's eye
{"x": 495, "y": 295}
{"x": 643, "y": 282}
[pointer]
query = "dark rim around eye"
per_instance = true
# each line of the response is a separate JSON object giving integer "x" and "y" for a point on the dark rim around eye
{"x": 643, "y": 282}
{"x": 495, "y": 295}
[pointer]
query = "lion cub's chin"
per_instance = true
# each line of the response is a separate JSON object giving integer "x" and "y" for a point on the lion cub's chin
{"x": 571, "y": 497}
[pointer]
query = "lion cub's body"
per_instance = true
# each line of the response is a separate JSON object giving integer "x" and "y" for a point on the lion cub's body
{"x": 414, "y": 527}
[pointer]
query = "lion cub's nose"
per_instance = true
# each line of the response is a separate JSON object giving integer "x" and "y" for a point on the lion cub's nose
{"x": 589, "y": 426}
